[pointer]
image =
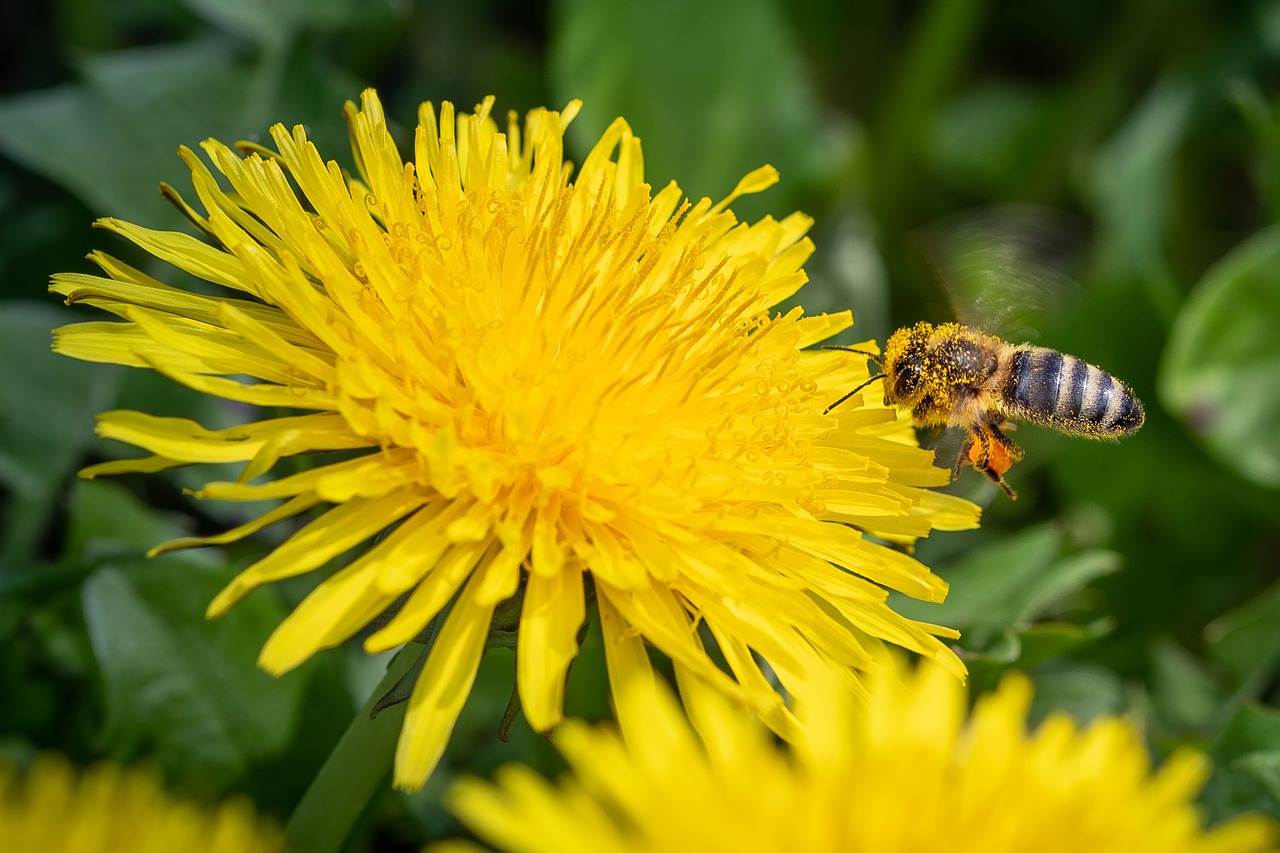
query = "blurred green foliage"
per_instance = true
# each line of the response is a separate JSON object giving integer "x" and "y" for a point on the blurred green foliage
{"x": 1143, "y": 135}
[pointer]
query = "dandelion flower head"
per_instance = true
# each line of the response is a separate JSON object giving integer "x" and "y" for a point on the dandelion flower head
{"x": 534, "y": 384}
{"x": 51, "y": 806}
{"x": 901, "y": 769}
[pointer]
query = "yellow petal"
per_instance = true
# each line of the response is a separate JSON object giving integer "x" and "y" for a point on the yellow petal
{"x": 289, "y": 509}
{"x": 441, "y": 690}
{"x": 329, "y": 535}
{"x": 429, "y": 598}
{"x": 552, "y": 613}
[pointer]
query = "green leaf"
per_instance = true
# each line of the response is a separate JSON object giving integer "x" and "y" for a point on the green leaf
{"x": 46, "y": 421}
{"x": 1251, "y": 729}
{"x": 112, "y": 139}
{"x": 1263, "y": 767}
{"x": 996, "y": 652}
{"x": 1245, "y": 765}
{"x": 107, "y": 520}
{"x": 178, "y": 689}
{"x": 1049, "y": 640}
{"x": 1183, "y": 695}
{"x": 273, "y": 24}
{"x": 1065, "y": 577}
{"x": 1132, "y": 184}
{"x": 1246, "y": 640}
{"x": 1006, "y": 585}
{"x": 1084, "y": 691}
{"x": 1219, "y": 370}
{"x": 708, "y": 109}
{"x": 981, "y": 583}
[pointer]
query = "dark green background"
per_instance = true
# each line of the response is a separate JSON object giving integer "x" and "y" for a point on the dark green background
{"x": 1115, "y": 165}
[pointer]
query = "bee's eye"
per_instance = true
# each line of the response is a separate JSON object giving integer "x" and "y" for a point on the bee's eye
{"x": 906, "y": 378}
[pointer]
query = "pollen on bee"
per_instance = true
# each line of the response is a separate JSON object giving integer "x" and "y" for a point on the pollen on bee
{"x": 998, "y": 459}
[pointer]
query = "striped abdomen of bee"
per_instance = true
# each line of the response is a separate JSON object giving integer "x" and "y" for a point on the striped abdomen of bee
{"x": 1065, "y": 393}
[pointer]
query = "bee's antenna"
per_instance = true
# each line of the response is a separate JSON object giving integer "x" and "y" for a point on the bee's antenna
{"x": 828, "y": 409}
{"x": 878, "y": 359}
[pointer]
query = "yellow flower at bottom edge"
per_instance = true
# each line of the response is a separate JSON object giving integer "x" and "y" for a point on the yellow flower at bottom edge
{"x": 898, "y": 769}
{"x": 105, "y": 809}
{"x": 536, "y": 387}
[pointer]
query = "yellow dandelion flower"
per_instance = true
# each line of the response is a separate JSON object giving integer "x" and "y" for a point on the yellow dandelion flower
{"x": 539, "y": 386}
{"x": 897, "y": 768}
{"x": 52, "y": 807}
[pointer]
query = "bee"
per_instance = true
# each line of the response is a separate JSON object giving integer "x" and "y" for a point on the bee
{"x": 951, "y": 375}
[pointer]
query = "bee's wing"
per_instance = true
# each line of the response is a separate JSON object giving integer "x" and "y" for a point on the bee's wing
{"x": 947, "y": 444}
{"x": 1007, "y": 268}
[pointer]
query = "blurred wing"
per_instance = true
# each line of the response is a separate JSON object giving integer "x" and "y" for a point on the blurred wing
{"x": 946, "y": 446}
{"x": 1007, "y": 269}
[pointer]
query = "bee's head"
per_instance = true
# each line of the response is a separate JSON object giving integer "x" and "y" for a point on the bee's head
{"x": 904, "y": 361}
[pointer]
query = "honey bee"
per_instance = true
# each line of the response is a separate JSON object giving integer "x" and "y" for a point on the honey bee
{"x": 951, "y": 375}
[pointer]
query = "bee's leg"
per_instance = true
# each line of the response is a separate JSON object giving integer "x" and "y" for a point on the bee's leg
{"x": 993, "y": 453}
{"x": 1013, "y": 451}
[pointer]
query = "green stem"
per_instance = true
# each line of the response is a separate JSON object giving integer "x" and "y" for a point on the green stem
{"x": 355, "y": 770}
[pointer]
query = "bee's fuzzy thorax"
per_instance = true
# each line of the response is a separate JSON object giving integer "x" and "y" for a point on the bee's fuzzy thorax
{"x": 925, "y": 364}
